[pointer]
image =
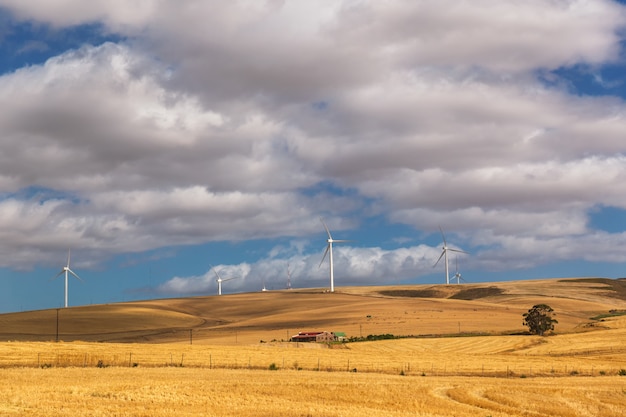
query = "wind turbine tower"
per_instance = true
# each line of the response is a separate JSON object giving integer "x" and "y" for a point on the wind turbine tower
{"x": 219, "y": 280}
{"x": 288, "y": 277}
{"x": 444, "y": 255}
{"x": 329, "y": 251}
{"x": 66, "y": 270}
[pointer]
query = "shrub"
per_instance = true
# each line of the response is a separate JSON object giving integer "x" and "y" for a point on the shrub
{"x": 273, "y": 367}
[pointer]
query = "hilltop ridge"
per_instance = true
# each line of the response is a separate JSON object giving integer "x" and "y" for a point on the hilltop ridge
{"x": 494, "y": 307}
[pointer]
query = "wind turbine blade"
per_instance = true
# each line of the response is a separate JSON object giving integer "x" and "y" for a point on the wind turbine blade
{"x": 342, "y": 241}
{"x": 68, "y": 258}
{"x": 443, "y": 236}
{"x": 443, "y": 252}
{"x": 215, "y": 271}
{"x": 458, "y": 250}
{"x": 325, "y": 253}
{"x": 58, "y": 275}
{"x": 228, "y": 279}
{"x": 326, "y": 227}
{"x": 73, "y": 273}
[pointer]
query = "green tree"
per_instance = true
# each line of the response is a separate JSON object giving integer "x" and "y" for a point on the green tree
{"x": 539, "y": 319}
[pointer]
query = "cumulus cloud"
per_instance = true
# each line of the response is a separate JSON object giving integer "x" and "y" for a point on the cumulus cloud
{"x": 61, "y": 13}
{"x": 352, "y": 266}
{"x": 241, "y": 120}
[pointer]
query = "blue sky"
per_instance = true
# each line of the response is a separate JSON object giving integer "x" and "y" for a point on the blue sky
{"x": 159, "y": 139}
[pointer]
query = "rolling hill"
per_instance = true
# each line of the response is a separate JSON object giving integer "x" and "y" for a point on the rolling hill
{"x": 491, "y": 308}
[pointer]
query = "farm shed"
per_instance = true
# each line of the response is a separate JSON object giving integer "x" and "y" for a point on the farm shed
{"x": 341, "y": 336}
{"x": 320, "y": 337}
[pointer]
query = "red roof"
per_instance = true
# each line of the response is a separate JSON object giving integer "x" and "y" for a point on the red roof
{"x": 309, "y": 333}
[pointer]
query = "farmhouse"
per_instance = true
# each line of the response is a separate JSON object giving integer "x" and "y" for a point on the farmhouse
{"x": 320, "y": 337}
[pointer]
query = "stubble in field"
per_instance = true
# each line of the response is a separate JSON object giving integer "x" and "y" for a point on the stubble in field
{"x": 182, "y": 392}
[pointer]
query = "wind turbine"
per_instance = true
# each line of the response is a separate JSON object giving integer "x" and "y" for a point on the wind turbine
{"x": 66, "y": 270}
{"x": 288, "y": 277}
{"x": 329, "y": 251}
{"x": 444, "y": 255}
{"x": 219, "y": 280}
{"x": 457, "y": 274}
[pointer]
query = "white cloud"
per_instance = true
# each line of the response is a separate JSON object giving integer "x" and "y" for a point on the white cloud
{"x": 376, "y": 266}
{"x": 353, "y": 266}
{"x": 180, "y": 285}
{"x": 117, "y": 13}
{"x": 229, "y": 120}
{"x": 499, "y": 35}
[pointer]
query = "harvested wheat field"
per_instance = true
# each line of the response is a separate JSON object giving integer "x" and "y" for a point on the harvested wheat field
{"x": 228, "y": 356}
{"x": 193, "y": 392}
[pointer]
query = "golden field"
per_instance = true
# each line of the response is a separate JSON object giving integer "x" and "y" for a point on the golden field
{"x": 192, "y": 392}
{"x": 204, "y": 355}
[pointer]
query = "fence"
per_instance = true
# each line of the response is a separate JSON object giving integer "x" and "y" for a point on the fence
{"x": 301, "y": 362}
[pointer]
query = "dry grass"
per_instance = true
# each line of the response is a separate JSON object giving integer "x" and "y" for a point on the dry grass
{"x": 588, "y": 353}
{"x": 190, "y": 392}
{"x": 564, "y": 375}
{"x": 493, "y": 308}
{"x": 226, "y": 371}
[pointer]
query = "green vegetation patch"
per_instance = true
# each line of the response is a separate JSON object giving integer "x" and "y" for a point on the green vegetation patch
{"x": 413, "y": 293}
{"x": 475, "y": 293}
{"x": 611, "y": 313}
